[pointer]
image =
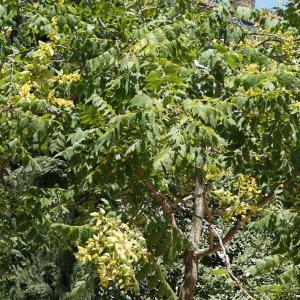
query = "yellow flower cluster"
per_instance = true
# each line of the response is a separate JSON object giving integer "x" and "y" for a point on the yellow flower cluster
{"x": 248, "y": 42}
{"x": 240, "y": 196}
{"x": 225, "y": 197}
{"x": 212, "y": 172}
{"x": 6, "y": 32}
{"x": 242, "y": 208}
{"x": 295, "y": 105}
{"x": 41, "y": 58}
{"x": 63, "y": 102}
{"x": 252, "y": 69}
{"x": 113, "y": 248}
{"x": 247, "y": 187}
{"x": 5, "y": 69}
{"x": 54, "y": 30}
{"x": 252, "y": 93}
{"x": 44, "y": 52}
{"x": 289, "y": 43}
{"x": 68, "y": 78}
{"x": 24, "y": 90}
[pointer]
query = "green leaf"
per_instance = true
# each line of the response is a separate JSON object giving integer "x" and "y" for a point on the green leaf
{"x": 244, "y": 12}
{"x": 253, "y": 270}
{"x": 153, "y": 281}
{"x": 144, "y": 272}
{"x": 141, "y": 100}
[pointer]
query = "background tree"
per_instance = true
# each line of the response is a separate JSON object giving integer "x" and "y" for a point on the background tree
{"x": 245, "y": 3}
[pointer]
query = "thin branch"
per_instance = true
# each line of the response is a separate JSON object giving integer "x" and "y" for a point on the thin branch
{"x": 220, "y": 211}
{"x": 230, "y": 234}
{"x": 139, "y": 212}
{"x": 227, "y": 264}
{"x": 279, "y": 40}
{"x": 264, "y": 34}
{"x": 163, "y": 202}
{"x": 187, "y": 198}
{"x": 64, "y": 47}
{"x": 284, "y": 56}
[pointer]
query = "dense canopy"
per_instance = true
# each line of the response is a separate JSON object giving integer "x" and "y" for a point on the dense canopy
{"x": 149, "y": 150}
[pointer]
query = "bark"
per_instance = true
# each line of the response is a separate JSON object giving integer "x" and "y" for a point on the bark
{"x": 190, "y": 259}
{"x": 199, "y": 209}
{"x": 209, "y": 220}
{"x": 190, "y": 276}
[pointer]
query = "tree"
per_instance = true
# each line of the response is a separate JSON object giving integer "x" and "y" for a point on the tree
{"x": 177, "y": 121}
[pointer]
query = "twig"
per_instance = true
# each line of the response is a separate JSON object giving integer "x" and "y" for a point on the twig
{"x": 137, "y": 214}
{"x": 264, "y": 34}
{"x": 220, "y": 211}
{"x": 189, "y": 197}
{"x": 278, "y": 40}
{"x": 237, "y": 295}
{"x": 64, "y": 47}
{"x": 227, "y": 263}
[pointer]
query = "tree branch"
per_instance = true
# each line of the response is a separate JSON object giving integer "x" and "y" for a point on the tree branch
{"x": 163, "y": 202}
{"x": 219, "y": 211}
{"x": 228, "y": 266}
{"x": 187, "y": 198}
{"x": 278, "y": 40}
{"x": 240, "y": 223}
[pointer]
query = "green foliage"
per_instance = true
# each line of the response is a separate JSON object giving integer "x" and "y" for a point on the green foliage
{"x": 101, "y": 100}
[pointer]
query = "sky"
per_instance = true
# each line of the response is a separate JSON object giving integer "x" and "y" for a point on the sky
{"x": 269, "y": 3}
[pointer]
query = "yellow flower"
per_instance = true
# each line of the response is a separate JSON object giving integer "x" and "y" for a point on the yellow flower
{"x": 68, "y": 78}
{"x": 54, "y": 29}
{"x": 252, "y": 68}
{"x": 248, "y": 42}
{"x": 251, "y": 93}
{"x": 4, "y": 69}
{"x": 113, "y": 248}
{"x": 7, "y": 30}
{"x": 296, "y": 105}
{"x": 44, "y": 52}
{"x": 24, "y": 90}
{"x": 63, "y": 102}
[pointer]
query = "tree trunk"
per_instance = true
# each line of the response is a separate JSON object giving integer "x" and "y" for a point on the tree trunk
{"x": 190, "y": 276}
{"x": 190, "y": 260}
